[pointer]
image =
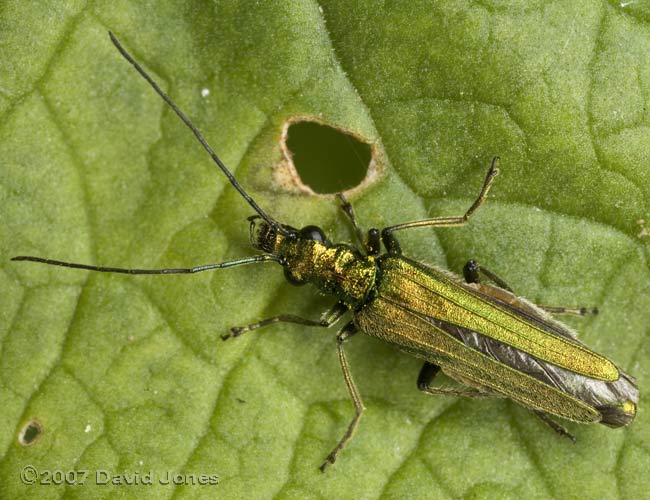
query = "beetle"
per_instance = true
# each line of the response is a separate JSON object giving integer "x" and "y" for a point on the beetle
{"x": 492, "y": 341}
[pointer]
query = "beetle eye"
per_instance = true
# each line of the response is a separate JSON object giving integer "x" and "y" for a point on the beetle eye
{"x": 313, "y": 233}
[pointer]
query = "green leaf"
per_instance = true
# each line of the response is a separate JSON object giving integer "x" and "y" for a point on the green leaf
{"x": 128, "y": 374}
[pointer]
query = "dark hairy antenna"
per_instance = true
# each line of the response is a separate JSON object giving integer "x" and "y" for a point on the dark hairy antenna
{"x": 268, "y": 219}
{"x": 188, "y": 270}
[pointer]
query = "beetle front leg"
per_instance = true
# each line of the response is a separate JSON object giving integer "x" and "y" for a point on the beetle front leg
{"x": 346, "y": 206}
{"x": 328, "y": 319}
{"x": 371, "y": 243}
{"x": 346, "y": 332}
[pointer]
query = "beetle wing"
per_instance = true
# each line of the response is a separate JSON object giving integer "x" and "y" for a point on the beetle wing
{"x": 394, "y": 323}
{"x": 433, "y": 294}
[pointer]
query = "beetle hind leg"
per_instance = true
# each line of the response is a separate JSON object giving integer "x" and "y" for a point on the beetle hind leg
{"x": 428, "y": 373}
{"x": 561, "y": 430}
{"x": 573, "y": 311}
{"x": 473, "y": 272}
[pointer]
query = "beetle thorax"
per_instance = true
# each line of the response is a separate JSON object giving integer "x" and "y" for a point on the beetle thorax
{"x": 338, "y": 270}
{"x": 309, "y": 257}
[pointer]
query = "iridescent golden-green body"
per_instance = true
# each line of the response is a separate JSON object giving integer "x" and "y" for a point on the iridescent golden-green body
{"x": 480, "y": 335}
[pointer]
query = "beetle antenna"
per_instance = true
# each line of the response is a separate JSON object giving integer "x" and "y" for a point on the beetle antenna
{"x": 121, "y": 270}
{"x": 275, "y": 225}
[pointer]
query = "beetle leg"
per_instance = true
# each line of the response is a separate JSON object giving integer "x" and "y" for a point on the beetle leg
{"x": 391, "y": 243}
{"x": 346, "y": 206}
{"x": 346, "y": 332}
{"x": 472, "y": 272}
{"x": 428, "y": 373}
{"x": 371, "y": 243}
{"x": 574, "y": 311}
{"x": 327, "y": 319}
{"x": 458, "y": 220}
{"x": 554, "y": 425}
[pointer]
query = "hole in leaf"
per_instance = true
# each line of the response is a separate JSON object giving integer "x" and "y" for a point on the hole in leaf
{"x": 326, "y": 159}
{"x": 30, "y": 433}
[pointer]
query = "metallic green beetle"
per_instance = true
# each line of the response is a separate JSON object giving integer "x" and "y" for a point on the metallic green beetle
{"x": 484, "y": 336}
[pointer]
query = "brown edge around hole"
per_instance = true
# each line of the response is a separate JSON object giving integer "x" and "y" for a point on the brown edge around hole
{"x": 287, "y": 177}
{"x": 32, "y": 423}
